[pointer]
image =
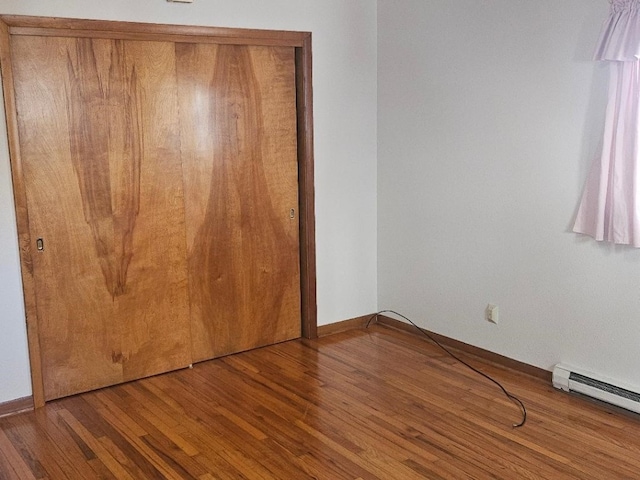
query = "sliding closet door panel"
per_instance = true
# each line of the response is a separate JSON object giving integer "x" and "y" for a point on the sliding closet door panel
{"x": 74, "y": 306}
{"x": 154, "y": 311}
{"x": 97, "y": 125}
{"x": 238, "y": 133}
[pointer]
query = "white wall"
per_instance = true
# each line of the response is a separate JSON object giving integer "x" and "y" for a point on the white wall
{"x": 14, "y": 358}
{"x": 344, "y": 56}
{"x": 490, "y": 113}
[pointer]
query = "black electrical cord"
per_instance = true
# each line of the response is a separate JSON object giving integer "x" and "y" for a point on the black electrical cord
{"x": 510, "y": 396}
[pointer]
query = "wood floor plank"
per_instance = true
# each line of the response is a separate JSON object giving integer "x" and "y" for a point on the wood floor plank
{"x": 144, "y": 455}
{"x": 45, "y": 457}
{"x": 164, "y": 423}
{"x": 6, "y": 470}
{"x": 111, "y": 463}
{"x": 363, "y": 404}
{"x": 13, "y": 465}
{"x": 78, "y": 453}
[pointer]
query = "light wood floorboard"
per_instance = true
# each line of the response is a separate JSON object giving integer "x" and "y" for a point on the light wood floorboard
{"x": 362, "y": 404}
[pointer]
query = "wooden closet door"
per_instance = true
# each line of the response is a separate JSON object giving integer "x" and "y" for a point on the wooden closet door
{"x": 238, "y": 132}
{"x": 100, "y": 150}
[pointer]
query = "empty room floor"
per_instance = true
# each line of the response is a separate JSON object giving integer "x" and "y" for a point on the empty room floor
{"x": 373, "y": 403}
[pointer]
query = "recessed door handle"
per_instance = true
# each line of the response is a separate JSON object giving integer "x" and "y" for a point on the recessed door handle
{"x": 40, "y": 244}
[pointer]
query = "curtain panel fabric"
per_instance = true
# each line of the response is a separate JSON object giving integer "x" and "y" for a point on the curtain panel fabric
{"x": 610, "y": 207}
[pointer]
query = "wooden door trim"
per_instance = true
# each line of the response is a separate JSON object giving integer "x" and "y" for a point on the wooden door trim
{"x": 70, "y": 27}
{"x": 24, "y": 25}
{"x": 304, "y": 93}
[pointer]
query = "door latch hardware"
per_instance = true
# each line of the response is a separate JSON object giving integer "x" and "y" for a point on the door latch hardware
{"x": 40, "y": 244}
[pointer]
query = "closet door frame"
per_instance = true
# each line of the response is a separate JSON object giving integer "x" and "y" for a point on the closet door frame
{"x": 11, "y": 25}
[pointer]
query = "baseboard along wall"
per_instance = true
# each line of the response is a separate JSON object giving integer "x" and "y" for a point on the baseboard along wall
{"x": 343, "y": 326}
{"x": 360, "y": 322}
{"x": 18, "y": 405}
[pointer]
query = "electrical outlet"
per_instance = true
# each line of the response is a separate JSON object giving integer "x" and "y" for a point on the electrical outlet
{"x": 491, "y": 313}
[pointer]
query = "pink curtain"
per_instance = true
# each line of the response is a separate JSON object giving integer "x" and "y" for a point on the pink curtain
{"x": 610, "y": 206}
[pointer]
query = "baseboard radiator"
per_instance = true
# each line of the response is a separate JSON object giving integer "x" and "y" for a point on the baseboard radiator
{"x": 574, "y": 380}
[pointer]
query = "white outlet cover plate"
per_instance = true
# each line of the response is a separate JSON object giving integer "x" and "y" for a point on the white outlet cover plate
{"x": 491, "y": 313}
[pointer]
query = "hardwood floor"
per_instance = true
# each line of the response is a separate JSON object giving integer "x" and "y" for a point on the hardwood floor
{"x": 362, "y": 404}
